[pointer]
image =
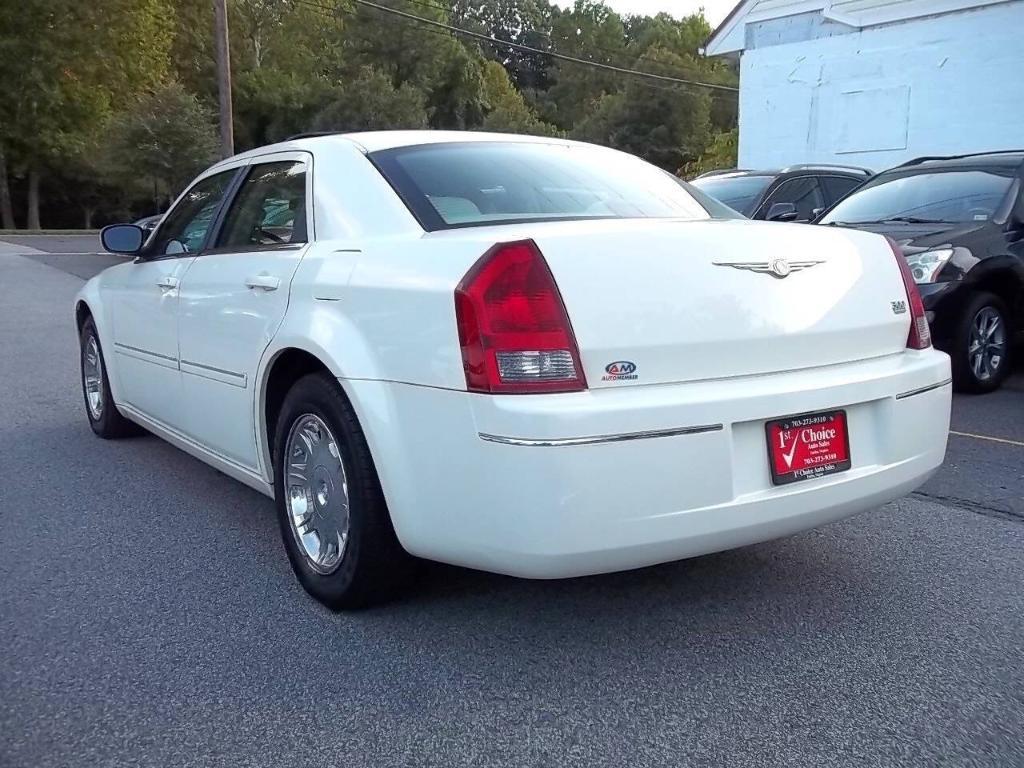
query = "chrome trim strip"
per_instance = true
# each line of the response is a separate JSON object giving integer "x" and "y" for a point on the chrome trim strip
{"x": 215, "y": 374}
{"x": 622, "y": 437}
{"x": 119, "y": 345}
{"x": 922, "y": 390}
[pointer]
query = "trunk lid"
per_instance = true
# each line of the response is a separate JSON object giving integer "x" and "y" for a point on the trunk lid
{"x": 655, "y": 302}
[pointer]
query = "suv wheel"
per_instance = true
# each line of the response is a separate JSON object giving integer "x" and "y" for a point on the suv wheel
{"x": 980, "y": 349}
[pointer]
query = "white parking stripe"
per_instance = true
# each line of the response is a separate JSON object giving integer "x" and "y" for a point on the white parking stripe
{"x": 1003, "y": 440}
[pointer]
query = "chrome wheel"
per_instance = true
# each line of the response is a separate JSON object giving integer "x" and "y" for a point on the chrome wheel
{"x": 92, "y": 378}
{"x": 316, "y": 489}
{"x": 986, "y": 347}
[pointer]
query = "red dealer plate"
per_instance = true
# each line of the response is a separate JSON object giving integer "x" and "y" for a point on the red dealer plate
{"x": 808, "y": 446}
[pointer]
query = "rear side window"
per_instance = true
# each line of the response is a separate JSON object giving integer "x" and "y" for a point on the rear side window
{"x": 269, "y": 209}
{"x": 480, "y": 183}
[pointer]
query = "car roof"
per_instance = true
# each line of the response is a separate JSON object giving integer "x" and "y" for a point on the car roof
{"x": 375, "y": 141}
{"x": 1007, "y": 158}
{"x": 824, "y": 168}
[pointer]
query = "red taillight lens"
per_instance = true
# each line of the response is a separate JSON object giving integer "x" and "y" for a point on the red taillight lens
{"x": 513, "y": 329}
{"x": 920, "y": 334}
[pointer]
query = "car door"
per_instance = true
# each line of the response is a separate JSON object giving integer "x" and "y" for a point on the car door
{"x": 804, "y": 192}
{"x": 233, "y": 300}
{"x": 144, "y": 303}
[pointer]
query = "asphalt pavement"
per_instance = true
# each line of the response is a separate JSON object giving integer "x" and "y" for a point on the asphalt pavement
{"x": 148, "y": 616}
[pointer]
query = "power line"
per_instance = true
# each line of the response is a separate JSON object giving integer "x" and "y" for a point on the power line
{"x": 442, "y": 33}
{"x": 622, "y": 54}
{"x": 531, "y": 49}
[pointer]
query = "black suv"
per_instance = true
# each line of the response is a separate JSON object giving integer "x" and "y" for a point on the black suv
{"x": 960, "y": 223}
{"x": 796, "y": 193}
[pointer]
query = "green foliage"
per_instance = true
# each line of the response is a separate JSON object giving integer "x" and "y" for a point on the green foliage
{"x": 157, "y": 146}
{"x": 116, "y": 99}
{"x": 371, "y": 102}
{"x": 720, "y": 153}
{"x": 66, "y": 69}
{"x": 507, "y": 111}
{"x": 666, "y": 125}
{"x": 271, "y": 104}
{"x": 593, "y": 32}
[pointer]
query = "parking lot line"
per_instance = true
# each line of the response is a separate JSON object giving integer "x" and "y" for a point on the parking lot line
{"x": 1003, "y": 440}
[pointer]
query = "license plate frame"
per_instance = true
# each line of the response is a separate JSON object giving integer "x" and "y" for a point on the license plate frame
{"x": 809, "y": 459}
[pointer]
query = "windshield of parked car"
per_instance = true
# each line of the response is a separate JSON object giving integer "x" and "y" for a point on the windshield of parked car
{"x": 741, "y": 193}
{"x": 937, "y": 196}
{"x": 473, "y": 184}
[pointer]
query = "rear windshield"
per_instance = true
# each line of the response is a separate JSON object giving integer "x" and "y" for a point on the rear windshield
{"x": 481, "y": 183}
{"x": 741, "y": 193}
{"x": 942, "y": 196}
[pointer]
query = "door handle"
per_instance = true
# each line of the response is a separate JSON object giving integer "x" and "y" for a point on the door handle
{"x": 168, "y": 283}
{"x": 263, "y": 282}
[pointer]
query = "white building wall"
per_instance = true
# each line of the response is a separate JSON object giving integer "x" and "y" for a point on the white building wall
{"x": 876, "y": 97}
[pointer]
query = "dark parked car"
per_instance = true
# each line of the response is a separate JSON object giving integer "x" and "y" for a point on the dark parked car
{"x": 960, "y": 224}
{"x": 796, "y": 193}
{"x": 149, "y": 223}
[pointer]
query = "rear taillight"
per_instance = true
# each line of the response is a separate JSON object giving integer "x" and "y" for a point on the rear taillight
{"x": 513, "y": 329}
{"x": 920, "y": 334}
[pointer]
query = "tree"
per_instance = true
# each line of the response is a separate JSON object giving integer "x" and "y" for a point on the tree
{"x": 593, "y": 32}
{"x": 66, "y": 70}
{"x": 371, "y": 102}
{"x": 720, "y": 153}
{"x": 524, "y": 22}
{"x": 272, "y": 104}
{"x": 667, "y": 126}
{"x": 161, "y": 143}
{"x": 507, "y": 111}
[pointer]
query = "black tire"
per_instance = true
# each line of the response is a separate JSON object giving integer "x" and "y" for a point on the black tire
{"x": 964, "y": 377}
{"x": 108, "y": 423}
{"x": 373, "y": 565}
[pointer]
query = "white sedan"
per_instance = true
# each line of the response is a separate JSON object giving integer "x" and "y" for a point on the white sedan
{"x": 529, "y": 356}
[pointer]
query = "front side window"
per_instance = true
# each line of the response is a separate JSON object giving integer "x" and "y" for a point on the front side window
{"x": 184, "y": 228}
{"x": 480, "y": 183}
{"x": 269, "y": 209}
{"x": 741, "y": 193}
{"x": 838, "y": 187}
{"x": 803, "y": 192}
{"x": 938, "y": 196}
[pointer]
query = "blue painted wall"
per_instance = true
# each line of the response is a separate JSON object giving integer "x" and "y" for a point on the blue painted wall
{"x": 815, "y": 91}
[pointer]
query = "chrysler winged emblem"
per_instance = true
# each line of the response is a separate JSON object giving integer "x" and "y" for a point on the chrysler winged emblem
{"x": 779, "y": 268}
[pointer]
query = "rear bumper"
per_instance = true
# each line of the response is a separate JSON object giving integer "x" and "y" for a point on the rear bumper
{"x": 611, "y": 479}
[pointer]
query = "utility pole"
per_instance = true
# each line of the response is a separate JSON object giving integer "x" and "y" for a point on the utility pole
{"x": 227, "y": 135}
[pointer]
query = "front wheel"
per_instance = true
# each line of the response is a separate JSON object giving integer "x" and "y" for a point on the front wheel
{"x": 334, "y": 522}
{"x": 104, "y": 418}
{"x": 980, "y": 348}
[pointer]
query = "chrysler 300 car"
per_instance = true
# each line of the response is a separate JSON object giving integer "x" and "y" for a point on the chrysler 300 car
{"x": 530, "y": 356}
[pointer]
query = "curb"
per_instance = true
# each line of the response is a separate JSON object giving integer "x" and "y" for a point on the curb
{"x": 31, "y": 232}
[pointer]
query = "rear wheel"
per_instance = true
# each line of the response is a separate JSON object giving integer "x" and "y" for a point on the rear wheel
{"x": 980, "y": 348}
{"x": 104, "y": 418}
{"x": 334, "y": 522}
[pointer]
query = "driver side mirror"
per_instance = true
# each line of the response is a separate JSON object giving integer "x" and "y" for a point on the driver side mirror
{"x": 781, "y": 212}
{"x": 122, "y": 238}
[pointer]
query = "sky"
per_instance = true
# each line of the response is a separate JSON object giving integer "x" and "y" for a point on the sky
{"x": 714, "y": 10}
